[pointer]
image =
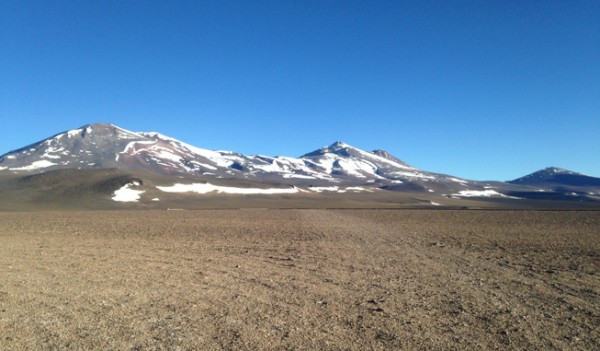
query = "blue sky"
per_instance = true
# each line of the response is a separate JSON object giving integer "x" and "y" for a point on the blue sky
{"x": 477, "y": 89}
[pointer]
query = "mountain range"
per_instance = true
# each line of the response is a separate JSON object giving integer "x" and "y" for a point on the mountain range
{"x": 334, "y": 168}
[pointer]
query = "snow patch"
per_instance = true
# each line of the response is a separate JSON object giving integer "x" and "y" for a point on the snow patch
{"x": 481, "y": 193}
{"x": 126, "y": 194}
{"x": 166, "y": 154}
{"x": 131, "y": 146}
{"x": 204, "y": 165}
{"x": 204, "y": 188}
{"x": 72, "y": 133}
{"x": 472, "y": 193}
{"x": 357, "y": 189}
{"x": 47, "y": 155}
{"x": 126, "y": 134}
{"x": 415, "y": 174}
{"x": 53, "y": 149}
{"x": 320, "y": 189}
{"x": 35, "y": 165}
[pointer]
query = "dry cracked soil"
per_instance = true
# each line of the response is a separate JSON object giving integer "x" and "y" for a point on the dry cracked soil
{"x": 300, "y": 280}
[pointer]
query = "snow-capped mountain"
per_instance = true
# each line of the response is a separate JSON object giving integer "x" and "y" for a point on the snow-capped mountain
{"x": 108, "y": 146}
{"x": 346, "y": 162}
{"x": 330, "y": 168}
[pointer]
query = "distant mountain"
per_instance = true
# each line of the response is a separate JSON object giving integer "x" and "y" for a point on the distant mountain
{"x": 344, "y": 161}
{"x": 553, "y": 176}
{"x": 337, "y": 168}
{"x": 98, "y": 146}
{"x": 554, "y": 184}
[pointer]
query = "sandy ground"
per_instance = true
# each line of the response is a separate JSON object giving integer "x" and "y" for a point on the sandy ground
{"x": 300, "y": 280}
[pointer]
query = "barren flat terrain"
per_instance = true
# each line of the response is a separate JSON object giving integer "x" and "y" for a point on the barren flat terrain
{"x": 300, "y": 280}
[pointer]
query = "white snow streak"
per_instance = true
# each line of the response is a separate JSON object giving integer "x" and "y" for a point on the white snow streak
{"x": 35, "y": 165}
{"x": 204, "y": 165}
{"x": 320, "y": 189}
{"x": 471, "y": 193}
{"x": 481, "y": 193}
{"x": 414, "y": 174}
{"x": 356, "y": 189}
{"x": 131, "y": 146}
{"x": 204, "y": 188}
{"x": 299, "y": 176}
{"x": 126, "y": 134}
{"x": 51, "y": 156}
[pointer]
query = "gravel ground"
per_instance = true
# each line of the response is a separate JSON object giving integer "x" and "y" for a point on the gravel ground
{"x": 300, "y": 280}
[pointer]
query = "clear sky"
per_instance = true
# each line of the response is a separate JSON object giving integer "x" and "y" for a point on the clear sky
{"x": 476, "y": 89}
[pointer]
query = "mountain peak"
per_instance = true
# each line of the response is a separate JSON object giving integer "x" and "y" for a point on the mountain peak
{"x": 384, "y": 154}
{"x": 338, "y": 145}
{"x": 556, "y": 170}
{"x": 98, "y": 124}
{"x": 97, "y": 129}
{"x": 557, "y": 176}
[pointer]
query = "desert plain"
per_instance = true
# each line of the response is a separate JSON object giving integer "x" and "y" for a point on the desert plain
{"x": 300, "y": 279}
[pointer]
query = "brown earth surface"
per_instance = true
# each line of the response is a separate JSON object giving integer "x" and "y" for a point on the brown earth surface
{"x": 300, "y": 280}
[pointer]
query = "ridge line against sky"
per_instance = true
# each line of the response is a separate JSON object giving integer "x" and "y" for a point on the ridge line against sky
{"x": 480, "y": 90}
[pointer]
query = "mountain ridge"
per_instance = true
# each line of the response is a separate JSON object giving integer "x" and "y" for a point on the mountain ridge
{"x": 329, "y": 168}
{"x": 105, "y": 145}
